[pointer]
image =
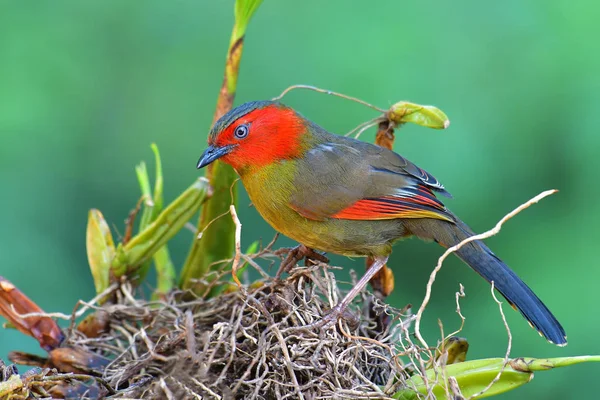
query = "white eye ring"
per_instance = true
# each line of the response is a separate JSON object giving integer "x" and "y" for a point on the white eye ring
{"x": 241, "y": 131}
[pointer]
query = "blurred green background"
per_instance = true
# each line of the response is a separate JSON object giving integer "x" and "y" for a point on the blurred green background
{"x": 85, "y": 87}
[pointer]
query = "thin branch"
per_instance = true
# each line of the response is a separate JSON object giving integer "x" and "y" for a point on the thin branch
{"x": 508, "y": 348}
{"x": 316, "y": 89}
{"x": 238, "y": 251}
{"x": 363, "y": 126}
{"x": 458, "y": 295}
{"x": 452, "y": 249}
{"x": 68, "y": 317}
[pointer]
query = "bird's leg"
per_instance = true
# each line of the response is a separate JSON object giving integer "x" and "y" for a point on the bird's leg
{"x": 335, "y": 313}
{"x": 296, "y": 254}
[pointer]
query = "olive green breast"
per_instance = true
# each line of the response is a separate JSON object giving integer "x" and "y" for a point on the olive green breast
{"x": 270, "y": 189}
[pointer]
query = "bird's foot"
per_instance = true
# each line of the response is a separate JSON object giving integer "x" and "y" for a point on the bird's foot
{"x": 296, "y": 254}
{"x": 332, "y": 317}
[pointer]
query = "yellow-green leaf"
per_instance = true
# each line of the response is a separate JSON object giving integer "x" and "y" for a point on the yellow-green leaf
{"x": 153, "y": 205}
{"x": 243, "y": 12}
{"x": 474, "y": 376}
{"x": 428, "y": 116}
{"x": 165, "y": 272}
{"x": 145, "y": 244}
{"x": 100, "y": 249}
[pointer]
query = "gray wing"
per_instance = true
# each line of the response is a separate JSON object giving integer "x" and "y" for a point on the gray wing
{"x": 343, "y": 171}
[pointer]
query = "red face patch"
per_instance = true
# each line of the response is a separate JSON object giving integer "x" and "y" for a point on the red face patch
{"x": 262, "y": 137}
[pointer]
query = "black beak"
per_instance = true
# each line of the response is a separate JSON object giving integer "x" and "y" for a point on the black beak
{"x": 213, "y": 153}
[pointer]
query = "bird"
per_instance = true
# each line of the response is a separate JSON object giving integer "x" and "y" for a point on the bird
{"x": 340, "y": 195}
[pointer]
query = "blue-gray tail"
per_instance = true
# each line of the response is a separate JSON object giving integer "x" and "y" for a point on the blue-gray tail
{"x": 479, "y": 257}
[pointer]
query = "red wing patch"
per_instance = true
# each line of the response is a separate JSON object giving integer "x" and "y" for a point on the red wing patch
{"x": 419, "y": 202}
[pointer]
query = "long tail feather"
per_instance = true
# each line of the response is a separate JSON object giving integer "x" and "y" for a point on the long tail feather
{"x": 479, "y": 257}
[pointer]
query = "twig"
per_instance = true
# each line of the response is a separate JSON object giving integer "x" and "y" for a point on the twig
{"x": 508, "y": 348}
{"x": 204, "y": 387}
{"x": 166, "y": 390}
{"x": 364, "y": 126}
{"x": 87, "y": 306}
{"x": 452, "y": 249}
{"x": 458, "y": 295}
{"x": 189, "y": 335}
{"x": 316, "y": 89}
{"x": 238, "y": 251}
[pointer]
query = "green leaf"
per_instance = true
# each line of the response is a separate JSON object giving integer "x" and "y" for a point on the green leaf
{"x": 474, "y": 376}
{"x": 243, "y": 12}
{"x": 215, "y": 227}
{"x": 152, "y": 207}
{"x": 145, "y": 244}
{"x": 144, "y": 182}
{"x": 165, "y": 272}
{"x": 528, "y": 364}
{"x": 153, "y": 203}
{"x": 214, "y": 240}
{"x": 428, "y": 116}
{"x": 100, "y": 249}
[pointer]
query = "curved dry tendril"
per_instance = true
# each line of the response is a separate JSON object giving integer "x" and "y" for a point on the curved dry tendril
{"x": 365, "y": 125}
{"x": 452, "y": 249}
{"x": 330, "y": 92}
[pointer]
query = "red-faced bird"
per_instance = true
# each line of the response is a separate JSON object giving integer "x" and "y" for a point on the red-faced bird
{"x": 341, "y": 195}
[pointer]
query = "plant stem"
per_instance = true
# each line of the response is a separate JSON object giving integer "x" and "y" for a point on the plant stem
{"x": 214, "y": 239}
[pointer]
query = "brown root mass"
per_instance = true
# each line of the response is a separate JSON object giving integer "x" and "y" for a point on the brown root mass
{"x": 251, "y": 345}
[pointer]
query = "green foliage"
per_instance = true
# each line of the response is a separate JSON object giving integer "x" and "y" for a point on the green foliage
{"x": 152, "y": 206}
{"x": 214, "y": 240}
{"x": 243, "y": 12}
{"x": 156, "y": 228}
{"x": 131, "y": 256}
{"x": 427, "y": 116}
{"x": 100, "y": 249}
{"x": 473, "y": 377}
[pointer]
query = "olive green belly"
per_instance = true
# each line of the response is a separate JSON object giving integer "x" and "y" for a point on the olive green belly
{"x": 345, "y": 237}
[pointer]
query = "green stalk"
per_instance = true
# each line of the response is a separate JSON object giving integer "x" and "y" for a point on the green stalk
{"x": 165, "y": 270}
{"x": 474, "y": 376}
{"x": 214, "y": 239}
{"x": 141, "y": 248}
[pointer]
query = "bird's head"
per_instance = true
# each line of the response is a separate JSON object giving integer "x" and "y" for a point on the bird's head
{"x": 255, "y": 134}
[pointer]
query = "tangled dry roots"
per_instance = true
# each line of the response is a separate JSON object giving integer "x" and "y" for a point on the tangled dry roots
{"x": 252, "y": 345}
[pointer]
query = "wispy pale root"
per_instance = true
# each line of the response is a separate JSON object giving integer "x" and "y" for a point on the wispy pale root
{"x": 329, "y": 92}
{"x": 238, "y": 250}
{"x": 430, "y": 385}
{"x": 455, "y": 248}
{"x": 508, "y": 346}
{"x": 92, "y": 304}
{"x": 399, "y": 113}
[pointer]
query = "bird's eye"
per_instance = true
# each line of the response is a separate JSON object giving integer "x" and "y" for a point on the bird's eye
{"x": 241, "y": 131}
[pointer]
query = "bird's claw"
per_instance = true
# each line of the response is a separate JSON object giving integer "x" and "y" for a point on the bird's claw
{"x": 332, "y": 317}
{"x": 296, "y": 254}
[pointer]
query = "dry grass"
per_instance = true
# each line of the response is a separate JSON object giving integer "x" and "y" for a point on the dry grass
{"x": 253, "y": 345}
{"x": 250, "y": 343}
